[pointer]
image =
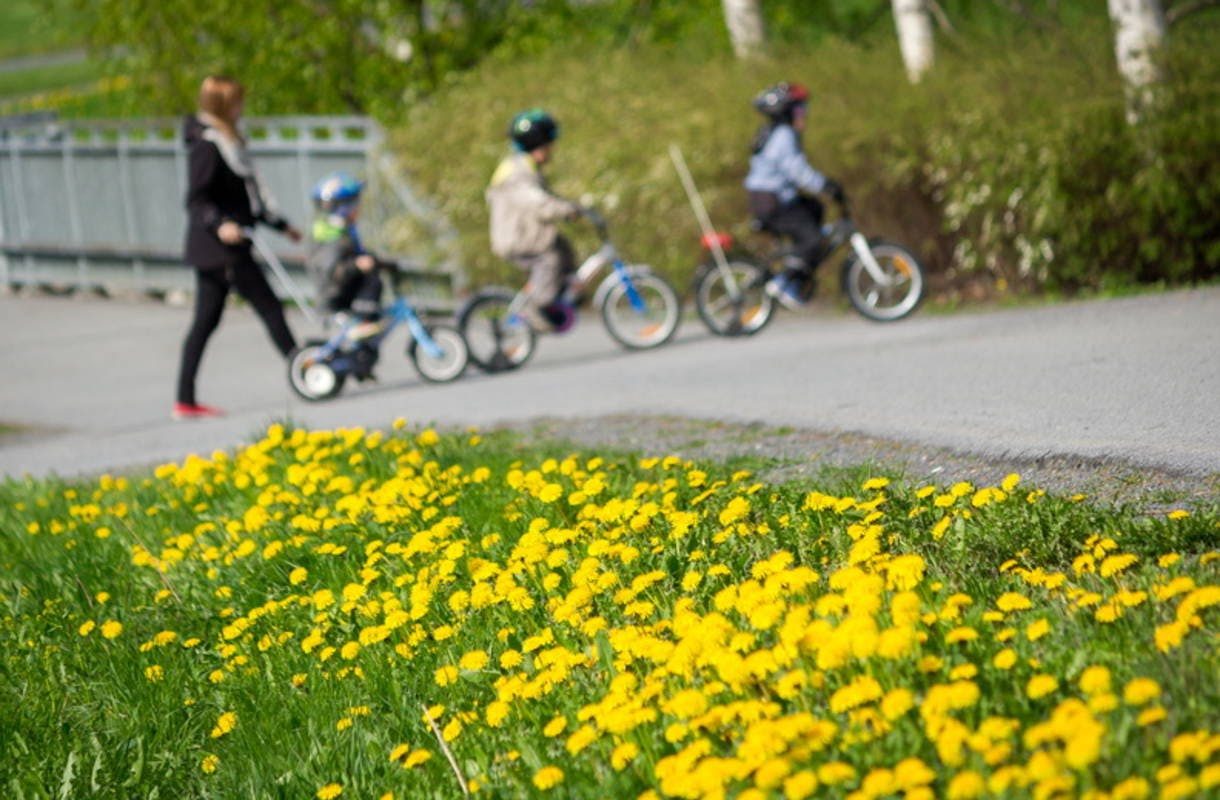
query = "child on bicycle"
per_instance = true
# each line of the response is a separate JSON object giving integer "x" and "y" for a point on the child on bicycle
{"x": 349, "y": 278}
{"x": 524, "y": 218}
{"x": 781, "y": 183}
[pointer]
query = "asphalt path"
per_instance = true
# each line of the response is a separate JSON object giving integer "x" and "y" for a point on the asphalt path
{"x": 1136, "y": 380}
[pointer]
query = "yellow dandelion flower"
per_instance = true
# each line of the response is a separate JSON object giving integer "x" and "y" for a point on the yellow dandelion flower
{"x": 1095, "y": 680}
{"x": 1103, "y": 703}
{"x": 836, "y": 772}
{"x": 446, "y": 675}
{"x": 1037, "y": 629}
{"x": 581, "y": 738}
{"x": 209, "y": 764}
{"x": 1115, "y": 564}
{"x": 1178, "y": 513}
{"x": 623, "y": 755}
{"x": 154, "y": 673}
{"x": 1013, "y": 601}
{"x": 473, "y": 661}
{"x": 1140, "y": 691}
{"x": 111, "y": 628}
{"x": 225, "y": 723}
{"x": 1131, "y": 789}
{"x": 801, "y": 785}
{"x": 1041, "y": 685}
{"x": 961, "y": 634}
{"x": 86, "y": 628}
{"x": 966, "y": 785}
{"x": 897, "y": 702}
{"x": 736, "y": 510}
{"x": 1151, "y": 715}
{"x": 555, "y": 727}
{"x": 329, "y": 792}
{"x": 548, "y": 777}
{"x": 416, "y": 758}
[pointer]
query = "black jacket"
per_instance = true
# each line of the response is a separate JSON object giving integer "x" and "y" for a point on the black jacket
{"x": 216, "y": 194}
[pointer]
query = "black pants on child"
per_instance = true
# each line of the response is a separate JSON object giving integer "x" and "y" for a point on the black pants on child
{"x": 801, "y": 222}
{"x": 212, "y": 288}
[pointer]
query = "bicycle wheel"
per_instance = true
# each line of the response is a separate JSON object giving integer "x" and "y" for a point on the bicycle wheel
{"x": 725, "y": 315}
{"x": 641, "y": 311}
{"x": 312, "y": 377}
{"x": 449, "y": 364}
{"x": 496, "y": 339}
{"x": 892, "y": 299}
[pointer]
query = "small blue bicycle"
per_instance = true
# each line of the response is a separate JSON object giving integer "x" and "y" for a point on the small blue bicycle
{"x": 318, "y": 369}
{"x": 639, "y": 308}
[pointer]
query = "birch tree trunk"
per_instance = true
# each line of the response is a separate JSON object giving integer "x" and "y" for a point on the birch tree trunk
{"x": 1139, "y": 32}
{"x": 745, "y": 23}
{"x": 914, "y": 25}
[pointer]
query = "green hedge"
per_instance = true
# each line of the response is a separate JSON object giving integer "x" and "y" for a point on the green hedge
{"x": 1010, "y": 168}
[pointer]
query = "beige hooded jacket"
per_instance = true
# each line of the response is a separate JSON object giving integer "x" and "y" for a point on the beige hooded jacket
{"x": 524, "y": 211}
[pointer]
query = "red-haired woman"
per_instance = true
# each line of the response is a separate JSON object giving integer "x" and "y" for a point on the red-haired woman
{"x": 224, "y": 196}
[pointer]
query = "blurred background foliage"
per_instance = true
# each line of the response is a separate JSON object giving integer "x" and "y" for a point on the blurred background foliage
{"x": 1010, "y": 168}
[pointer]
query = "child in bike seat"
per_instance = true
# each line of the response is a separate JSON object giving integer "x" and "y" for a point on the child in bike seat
{"x": 348, "y": 277}
{"x": 781, "y": 184}
{"x": 524, "y": 219}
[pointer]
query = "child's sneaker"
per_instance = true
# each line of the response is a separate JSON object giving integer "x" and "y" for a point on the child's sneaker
{"x": 195, "y": 411}
{"x": 787, "y": 290}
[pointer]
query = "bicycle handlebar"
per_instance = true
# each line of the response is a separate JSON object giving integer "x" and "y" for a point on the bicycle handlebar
{"x": 595, "y": 219}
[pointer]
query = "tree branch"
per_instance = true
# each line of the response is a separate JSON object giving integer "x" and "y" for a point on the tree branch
{"x": 942, "y": 19}
{"x": 1180, "y": 11}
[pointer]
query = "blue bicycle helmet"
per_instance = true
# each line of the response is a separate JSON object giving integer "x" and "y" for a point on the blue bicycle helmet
{"x": 336, "y": 191}
{"x": 532, "y": 129}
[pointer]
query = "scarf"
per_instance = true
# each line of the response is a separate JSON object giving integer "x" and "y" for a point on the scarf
{"x": 237, "y": 157}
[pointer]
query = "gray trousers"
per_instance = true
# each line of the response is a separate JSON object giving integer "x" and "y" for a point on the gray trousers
{"x": 549, "y": 272}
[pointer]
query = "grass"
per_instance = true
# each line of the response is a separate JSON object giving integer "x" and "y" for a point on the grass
{"x": 41, "y": 79}
{"x": 29, "y": 27}
{"x": 273, "y": 624}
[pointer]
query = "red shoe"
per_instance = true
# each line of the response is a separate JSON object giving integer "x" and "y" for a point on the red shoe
{"x": 195, "y": 411}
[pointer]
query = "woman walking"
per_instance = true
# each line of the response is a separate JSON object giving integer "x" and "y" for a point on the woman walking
{"x": 223, "y": 197}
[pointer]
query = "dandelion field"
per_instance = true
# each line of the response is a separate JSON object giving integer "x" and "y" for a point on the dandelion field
{"x": 315, "y": 614}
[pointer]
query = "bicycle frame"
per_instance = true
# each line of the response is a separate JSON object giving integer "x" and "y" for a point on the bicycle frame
{"x": 844, "y": 231}
{"x": 604, "y": 256}
{"x": 399, "y": 312}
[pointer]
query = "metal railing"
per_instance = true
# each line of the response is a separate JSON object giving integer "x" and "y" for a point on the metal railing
{"x": 99, "y": 204}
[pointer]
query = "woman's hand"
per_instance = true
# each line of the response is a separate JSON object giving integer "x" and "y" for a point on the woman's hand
{"x": 229, "y": 232}
{"x": 365, "y": 262}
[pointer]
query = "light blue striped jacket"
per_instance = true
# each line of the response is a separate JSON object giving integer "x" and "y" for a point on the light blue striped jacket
{"x": 782, "y": 169}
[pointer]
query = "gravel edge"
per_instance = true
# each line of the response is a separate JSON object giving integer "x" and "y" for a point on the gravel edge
{"x": 783, "y": 454}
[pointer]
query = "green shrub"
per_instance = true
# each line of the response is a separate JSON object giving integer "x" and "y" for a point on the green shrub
{"x": 1011, "y": 166}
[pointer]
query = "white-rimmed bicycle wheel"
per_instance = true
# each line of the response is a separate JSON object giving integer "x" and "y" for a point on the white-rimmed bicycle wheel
{"x": 312, "y": 377}
{"x": 726, "y": 313}
{"x": 449, "y": 363}
{"x": 894, "y": 297}
{"x": 642, "y": 315}
{"x": 497, "y": 340}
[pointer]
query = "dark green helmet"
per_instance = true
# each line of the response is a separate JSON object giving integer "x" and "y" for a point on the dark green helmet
{"x": 532, "y": 129}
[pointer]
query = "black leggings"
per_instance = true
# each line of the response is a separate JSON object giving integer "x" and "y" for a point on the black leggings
{"x": 800, "y": 221}
{"x": 212, "y": 287}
